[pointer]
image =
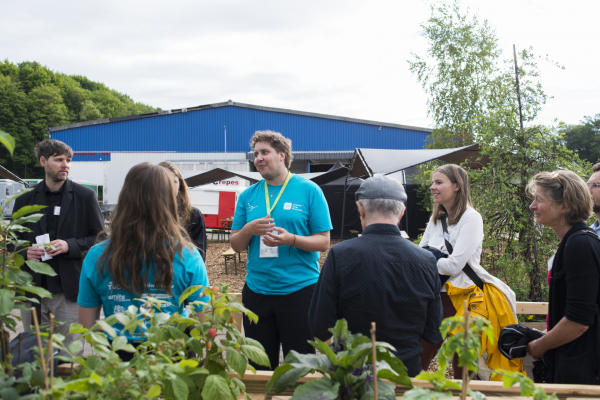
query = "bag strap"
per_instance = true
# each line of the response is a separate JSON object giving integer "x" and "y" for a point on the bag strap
{"x": 467, "y": 268}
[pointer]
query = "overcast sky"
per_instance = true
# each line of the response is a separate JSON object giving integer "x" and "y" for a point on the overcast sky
{"x": 345, "y": 58}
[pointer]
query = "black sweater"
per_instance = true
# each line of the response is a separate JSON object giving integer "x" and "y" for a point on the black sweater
{"x": 575, "y": 294}
{"x": 197, "y": 231}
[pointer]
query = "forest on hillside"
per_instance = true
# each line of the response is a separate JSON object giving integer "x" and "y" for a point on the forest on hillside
{"x": 34, "y": 98}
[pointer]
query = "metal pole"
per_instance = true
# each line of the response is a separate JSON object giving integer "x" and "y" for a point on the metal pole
{"x": 344, "y": 196}
{"x": 406, "y": 206}
{"x": 518, "y": 89}
{"x": 344, "y": 204}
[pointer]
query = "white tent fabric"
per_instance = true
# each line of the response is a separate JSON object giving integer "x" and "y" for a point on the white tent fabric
{"x": 219, "y": 174}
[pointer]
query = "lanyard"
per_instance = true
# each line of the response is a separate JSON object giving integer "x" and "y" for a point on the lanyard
{"x": 269, "y": 208}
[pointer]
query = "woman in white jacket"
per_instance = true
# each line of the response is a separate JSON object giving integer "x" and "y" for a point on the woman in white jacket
{"x": 450, "y": 190}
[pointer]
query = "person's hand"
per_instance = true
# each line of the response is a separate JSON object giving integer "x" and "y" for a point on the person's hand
{"x": 273, "y": 240}
{"x": 259, "y": 227}
{"x": 60, "y": 246}
{"x": 536, "y": 349}
{"x": 35, "y": 253}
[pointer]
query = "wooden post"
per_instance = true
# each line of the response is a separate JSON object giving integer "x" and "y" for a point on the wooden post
{"x": 465, "y": 370}
{"x": 374, "y": 349}
{"x": 50, "y": 356}
{"x": 41, "y": 351}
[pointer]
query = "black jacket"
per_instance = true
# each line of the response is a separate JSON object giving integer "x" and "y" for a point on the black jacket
{"x": 197, "y": 231}
{"x": 382, "y": 278}
{"x": 575, "y": 294}
{"x": 79, "y": 223}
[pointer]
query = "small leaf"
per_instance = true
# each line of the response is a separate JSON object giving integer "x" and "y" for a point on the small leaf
{"x": 188, "y": 363}
{"x": 107, "y": 328}
{"x": 216, "y": 388}
{"x": 19, "y": 277}
{"x": 26, "y": 210}
{"x": 40, "y": 267}
{"x": 75, "y": 347}
{"x": 119, "y": 343}
{"x": 7, "y": 301}
{"x": 154, "y": 391}
{"x": 256, "y": 355}
{"x": 8, "y": 141}
{"x": 319, "y": 389}
{"x": 236, "y": 361}
{"x": 188, "y": 292}
{"x": 176, "y": 389}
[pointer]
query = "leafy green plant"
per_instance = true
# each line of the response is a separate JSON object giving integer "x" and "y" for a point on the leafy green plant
{"x": 347, "y": 368}
{"x": 468, "y": 348}
{"x": 180, "y": 357}
{"x": 15, "y": 284}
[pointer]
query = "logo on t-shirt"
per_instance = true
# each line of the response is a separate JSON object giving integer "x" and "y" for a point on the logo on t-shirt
{"x": 287, "y": 206}
{"x": 249, "y": 208}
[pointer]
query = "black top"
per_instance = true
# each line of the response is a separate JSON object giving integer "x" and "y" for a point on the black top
{"x": 52, "y": 201}
{"x": 79, "y": 223}
{"x": 382, "y": 278}
{"x": 197, "y": 231}
{"x": 575, "y": 294}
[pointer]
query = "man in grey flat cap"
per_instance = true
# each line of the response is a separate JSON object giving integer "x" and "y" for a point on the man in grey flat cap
{"x": 380, "y": 277}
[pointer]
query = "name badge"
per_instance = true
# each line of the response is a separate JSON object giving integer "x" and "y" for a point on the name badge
{"x": 56, "y": 210}
{"x": 446, "y": 236}
{"x": 266, "y": 251}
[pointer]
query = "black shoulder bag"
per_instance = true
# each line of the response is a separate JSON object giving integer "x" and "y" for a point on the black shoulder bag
{"x": 466, "y": 269}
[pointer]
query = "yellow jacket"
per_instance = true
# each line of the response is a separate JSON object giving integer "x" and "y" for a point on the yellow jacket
{"x": 492, "y": 305}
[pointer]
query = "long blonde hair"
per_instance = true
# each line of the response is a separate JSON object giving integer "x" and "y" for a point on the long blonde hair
{"x": 184, "y": 204}
{"x": 459, "y": 176}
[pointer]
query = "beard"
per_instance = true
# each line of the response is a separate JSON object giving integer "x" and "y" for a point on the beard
{"x": 57, "y": 176}
{"x": 271, "y": 174}
{"x": 596, "y": 208}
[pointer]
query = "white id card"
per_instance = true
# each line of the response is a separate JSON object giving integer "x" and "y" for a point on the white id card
{"x": 56, "y": 210}
{"x": 446, "y": 236}
{"x": 266, "y": 251}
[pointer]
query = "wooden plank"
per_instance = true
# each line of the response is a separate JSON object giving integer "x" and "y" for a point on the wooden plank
{"x": 524, "y": 307}
{"x": 229, "y": 252}
{"x": 540, "y": 326}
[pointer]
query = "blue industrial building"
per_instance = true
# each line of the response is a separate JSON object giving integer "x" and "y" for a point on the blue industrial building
{"x": 217, "y": 135}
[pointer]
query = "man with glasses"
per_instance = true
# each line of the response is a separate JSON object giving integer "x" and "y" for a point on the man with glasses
{"x": 594, "y": 187}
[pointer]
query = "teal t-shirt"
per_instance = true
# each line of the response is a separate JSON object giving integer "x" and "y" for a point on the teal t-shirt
{"x": 301, "y": 210}
{"x": 96, "y": 290}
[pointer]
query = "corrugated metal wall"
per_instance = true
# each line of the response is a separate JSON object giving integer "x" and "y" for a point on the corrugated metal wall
{"x": 202, "y": 131}
{"x": 114, "y": 171}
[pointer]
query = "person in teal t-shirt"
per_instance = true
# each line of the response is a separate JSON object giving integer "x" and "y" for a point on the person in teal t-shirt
{"x": 284, "y": 220}
{"x": 147, "y": 255}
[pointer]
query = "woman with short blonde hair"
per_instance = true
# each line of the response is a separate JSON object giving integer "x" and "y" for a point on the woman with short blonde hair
{"x": 569, "y": 349}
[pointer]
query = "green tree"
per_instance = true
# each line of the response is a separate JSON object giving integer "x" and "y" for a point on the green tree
{"x": 46, "y": 109}
{"x": 34, "y": 98}
{"x": 457, "y": 72}
{"x": 584, "y": 138}
{"x": 473, "y": 97}
{"x": 14, "y": 118}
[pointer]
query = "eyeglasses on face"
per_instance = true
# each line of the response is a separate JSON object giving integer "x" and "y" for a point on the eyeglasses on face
{"x": 593, "y": 185}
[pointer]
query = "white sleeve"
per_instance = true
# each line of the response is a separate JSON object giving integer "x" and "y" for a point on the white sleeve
{"x": 469, "y": 239}
{"x": 425, "y": 238}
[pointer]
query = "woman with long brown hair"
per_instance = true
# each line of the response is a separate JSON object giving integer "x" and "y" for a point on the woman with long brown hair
{"x": 189, "y": 216}
{"x": 146, "y": 255}
{"x": 455, "y": 236}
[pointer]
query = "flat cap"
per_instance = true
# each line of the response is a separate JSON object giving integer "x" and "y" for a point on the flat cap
{"x": 381, "y": 187}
